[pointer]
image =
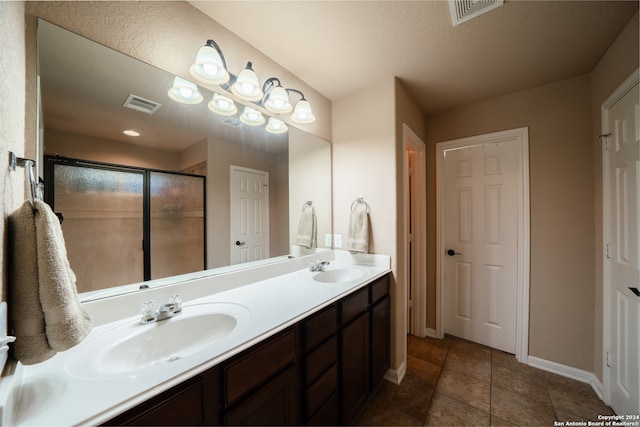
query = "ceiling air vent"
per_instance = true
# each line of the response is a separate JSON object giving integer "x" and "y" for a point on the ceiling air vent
{"x": 463, "y": 10}
{"x": 138, "y": 103}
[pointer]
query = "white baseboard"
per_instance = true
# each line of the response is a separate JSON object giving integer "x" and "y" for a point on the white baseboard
{"x": 569, "y": 372}
{"x": 395, "y": 376}
{"x": 431, "y": 333}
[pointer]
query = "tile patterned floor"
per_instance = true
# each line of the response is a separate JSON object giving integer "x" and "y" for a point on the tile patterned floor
{"x": 452, "y": 382}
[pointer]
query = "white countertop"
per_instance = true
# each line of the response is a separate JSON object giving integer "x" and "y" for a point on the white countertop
{"x": 66, "y": 391}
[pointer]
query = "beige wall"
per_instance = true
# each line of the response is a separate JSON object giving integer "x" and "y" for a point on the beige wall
{"x": 107, "y": 151}
{"x": 12, "y": 117}
{"x": 562, "y": 214}
{"x": 364, "y": 165}
{"x": 620, "y": 61}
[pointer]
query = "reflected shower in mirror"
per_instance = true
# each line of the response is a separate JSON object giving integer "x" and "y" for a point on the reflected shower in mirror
{"x": 99, "y": 105}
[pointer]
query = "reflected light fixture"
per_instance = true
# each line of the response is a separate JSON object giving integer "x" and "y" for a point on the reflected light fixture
{"x": 247, "y": 86}
{"x": 184, "y": 91}
{"x": 131, "y": 132}
{"x": 210, "y": 66}
{"x": 276, "y": 126}
{"x": 222, "y": 105}
{"x": 252, "y": 117}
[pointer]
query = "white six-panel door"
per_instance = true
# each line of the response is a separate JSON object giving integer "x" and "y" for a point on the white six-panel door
{"x": 249, "y": 215}
{"x": 623, "y": 159}
{"x": 481, "y": 234}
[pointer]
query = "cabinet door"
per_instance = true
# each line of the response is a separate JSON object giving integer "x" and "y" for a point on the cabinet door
{"x": 354, "y": 368}
{"x": 380, "y": 341}
{"x": 276, "y": 403}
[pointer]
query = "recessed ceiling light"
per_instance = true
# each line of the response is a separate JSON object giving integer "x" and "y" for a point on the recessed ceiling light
{"x": 131, "y": 132}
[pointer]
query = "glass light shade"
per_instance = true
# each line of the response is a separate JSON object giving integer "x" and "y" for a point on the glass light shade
{"x": 278, "y": 101}
{"x": 247, "y": 86}
{"x": 209, "y": 67}
{"x": 185, "y": 92}
{"x": 302, "y": 112}
{"x": 276, "y": 126}
{"x": 222, "y": 105}
{"x": 252, "y": 117}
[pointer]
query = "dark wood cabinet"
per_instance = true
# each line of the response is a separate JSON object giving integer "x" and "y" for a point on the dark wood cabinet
{"x": 320, "y": 371}
{"x": 354, "y": 368}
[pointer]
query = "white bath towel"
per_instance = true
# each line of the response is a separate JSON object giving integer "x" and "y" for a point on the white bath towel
{"x": 358, "y": 238}
{"x": 31, "y": 345}
{"x": 46, "y": 312}
{"x": 306, "y": 236}
{"x": 67, "y": 322}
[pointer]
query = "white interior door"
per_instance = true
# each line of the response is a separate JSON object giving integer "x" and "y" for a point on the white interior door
{"x": 624, "y": 254}
{"x": 481, "y": 242}
{"x": 249, "y": 215}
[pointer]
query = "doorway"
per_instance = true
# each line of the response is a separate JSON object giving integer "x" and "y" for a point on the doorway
{"x": 249, "y": 214}
{"x": 415, "y": 234}
{"x": 621, "y": 236}
{"x": 482, "y": 242}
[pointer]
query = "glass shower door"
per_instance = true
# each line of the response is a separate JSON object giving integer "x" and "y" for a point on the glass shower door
{"x": 177, "y": 224}
{"x": 102, "y": 211}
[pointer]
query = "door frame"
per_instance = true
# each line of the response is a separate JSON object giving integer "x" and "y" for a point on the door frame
{"x": 233, "y": 214}
{"x": 607, "y": 288}
{"x": 521, "y": 136}
{"x": 411, "y": 141}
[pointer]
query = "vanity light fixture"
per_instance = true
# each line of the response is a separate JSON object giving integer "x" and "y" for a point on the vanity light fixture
{"x": 210, "y": 66}
{"x": 184, "y": 91}
{"x": 252, "y": 117}
{"x": 276, "y": 98}
{"x": 247, "y": 86}
{"x": 302, "y": 113}
{"x": 276, "y": 126}
{"x": 222, "y": 105}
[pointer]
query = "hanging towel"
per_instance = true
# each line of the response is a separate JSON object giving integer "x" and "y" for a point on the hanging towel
{"x": 358, "y": 238}
{"x": 46, "y": 312}
{"x": 31, "y": 345}
{"x": 306, "y": 236}
{"x": 66, "y": 321}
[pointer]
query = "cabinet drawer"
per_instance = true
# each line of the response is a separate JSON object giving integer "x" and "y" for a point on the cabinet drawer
{"x": 257, "y": 365}
{"x": 379, "y": 289}
{"x": 354, "y": 305}
{"x": 321, "y": 359}
{"x": 320, "y": 327}
{"x": 320, "y": 392}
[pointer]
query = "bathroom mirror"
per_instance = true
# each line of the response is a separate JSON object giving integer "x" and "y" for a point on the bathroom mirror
{"x": 83, "y": 86}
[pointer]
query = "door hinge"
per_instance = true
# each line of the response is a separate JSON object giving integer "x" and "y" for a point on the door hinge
{"x": 606, "y": 251}
{"x": 410, "y": 304}
{"x": 606, "y": 358}
{"x": 605, "y": 141}
{"x": 410, "y": 171}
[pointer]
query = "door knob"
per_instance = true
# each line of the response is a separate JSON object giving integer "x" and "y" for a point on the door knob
{"x": 239, "y": 243}
{"x": 451, "y": 252}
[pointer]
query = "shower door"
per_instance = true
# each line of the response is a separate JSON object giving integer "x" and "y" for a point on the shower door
{"x": 126, "y": 225}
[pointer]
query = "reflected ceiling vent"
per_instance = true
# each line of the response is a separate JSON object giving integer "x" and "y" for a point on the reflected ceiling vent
{"x": 232, "y": 122}
{"x": 463, "y": 10}
{"x": 140, "y": 104}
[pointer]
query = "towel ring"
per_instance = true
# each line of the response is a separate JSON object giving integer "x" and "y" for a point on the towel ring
{"x": 358, "y": 201}
{"x": 307, "y": 204}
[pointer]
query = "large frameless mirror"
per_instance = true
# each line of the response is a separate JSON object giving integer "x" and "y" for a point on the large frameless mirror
{"x": 218, "y": 194}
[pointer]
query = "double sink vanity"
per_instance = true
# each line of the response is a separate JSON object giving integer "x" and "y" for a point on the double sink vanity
{"x": 274, "y": 344}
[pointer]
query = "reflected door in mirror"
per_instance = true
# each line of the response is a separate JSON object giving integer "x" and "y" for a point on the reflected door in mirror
{"x": 249, "y": 215}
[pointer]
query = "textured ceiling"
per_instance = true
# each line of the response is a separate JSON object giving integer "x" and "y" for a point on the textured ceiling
{"x": 342, "y": 47}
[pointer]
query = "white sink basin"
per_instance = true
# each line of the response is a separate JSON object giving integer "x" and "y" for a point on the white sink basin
{"x": 133, "y": 348}
{"x": 337, "y": 274}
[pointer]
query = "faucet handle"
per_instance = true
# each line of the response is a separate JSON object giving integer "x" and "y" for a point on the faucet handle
{"x": 148, "y": 312}
{"x": 176, "y": 302}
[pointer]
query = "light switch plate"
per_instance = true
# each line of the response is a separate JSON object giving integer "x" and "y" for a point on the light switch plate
{"x": 337, "y": 240}
{"x": 327, "y": 240}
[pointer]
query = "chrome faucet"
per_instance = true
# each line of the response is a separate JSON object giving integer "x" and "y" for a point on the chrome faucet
{"x": 150, "y": 314}
{"x": 318, "y": 265}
